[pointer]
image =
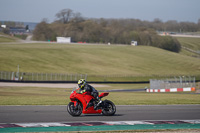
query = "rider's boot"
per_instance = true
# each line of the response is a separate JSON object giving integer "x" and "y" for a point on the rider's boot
{"x": 98, "y": 103}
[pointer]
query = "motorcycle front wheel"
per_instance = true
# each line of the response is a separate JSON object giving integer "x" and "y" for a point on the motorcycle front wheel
{"x": 109, "y": 108}
{"x": 74, "y": 111}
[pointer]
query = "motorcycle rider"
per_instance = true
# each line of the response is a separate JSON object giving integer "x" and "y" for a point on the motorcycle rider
{"x": 83, "y": 86}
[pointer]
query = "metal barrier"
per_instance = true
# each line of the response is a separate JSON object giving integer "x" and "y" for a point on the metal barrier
{"x": 23, "y": 76}
{"x": 176, "y": 82}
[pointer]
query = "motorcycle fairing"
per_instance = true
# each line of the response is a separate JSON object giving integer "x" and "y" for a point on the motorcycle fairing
{"x": 85, "y": 99}
{"x": 103, "y": 94}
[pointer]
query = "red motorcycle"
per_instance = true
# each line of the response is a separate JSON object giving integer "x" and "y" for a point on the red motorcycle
{"x": 86, "y": 104}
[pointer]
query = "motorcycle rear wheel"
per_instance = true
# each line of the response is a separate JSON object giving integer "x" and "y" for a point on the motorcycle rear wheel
{"x": 73, "y": 111}
{"x": 109, "y": 108}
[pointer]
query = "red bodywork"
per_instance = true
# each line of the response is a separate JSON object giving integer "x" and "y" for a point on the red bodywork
{"x": 85, "y": 98}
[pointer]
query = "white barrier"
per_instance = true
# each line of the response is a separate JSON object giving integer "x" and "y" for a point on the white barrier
{"x": 172, "y": 89}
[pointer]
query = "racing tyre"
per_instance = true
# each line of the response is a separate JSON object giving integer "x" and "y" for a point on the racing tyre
{"x": 73, "y": 111}
{"x": 109, "y": 108}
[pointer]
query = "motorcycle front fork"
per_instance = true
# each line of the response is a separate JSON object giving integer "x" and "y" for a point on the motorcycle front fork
{"x": 76, "y": 105}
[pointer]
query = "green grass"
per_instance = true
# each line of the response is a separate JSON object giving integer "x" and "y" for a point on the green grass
{"x": 123, "y": 86}
{"x": 6, "y": 39}
{"x": 192, "y": 43}
{"x": 96, "y": 60}
{"x": 33, "y": 96}
{"x": 60, "y": 96}
{"x": 143, "y": 98}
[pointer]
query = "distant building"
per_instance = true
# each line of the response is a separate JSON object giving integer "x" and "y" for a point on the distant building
{"x": 134, "y": 43}
{"x": 17, "y": 30}
{"x": 3, "y": 26}
{"x": 63, "y": 39}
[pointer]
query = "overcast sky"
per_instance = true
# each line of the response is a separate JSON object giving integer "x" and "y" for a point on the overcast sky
{"x": 36, "y": 10}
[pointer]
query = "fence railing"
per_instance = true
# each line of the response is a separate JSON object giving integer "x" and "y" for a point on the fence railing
{"x": 25, "y": 76}
{"x": 22, "y": 76}
{"x": 176, "y": 82}
{"x": 167, "y": 82}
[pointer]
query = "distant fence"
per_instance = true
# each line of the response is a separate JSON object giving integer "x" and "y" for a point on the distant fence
{"x": 59, "y": 77}
{"x": 25, "y": 76}
{"x": 22, "y": 76}
{"x": 176, "y": 82}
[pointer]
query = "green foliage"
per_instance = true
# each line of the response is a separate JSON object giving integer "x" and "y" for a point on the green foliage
{"x": 171, "y": 44}
{"x": 44, "y": 32}
{"x": 104, "y": 32}
{"x": 149, "y": 37}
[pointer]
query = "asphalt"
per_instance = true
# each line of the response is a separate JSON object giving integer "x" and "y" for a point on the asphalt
{"x": 28, "y": 114}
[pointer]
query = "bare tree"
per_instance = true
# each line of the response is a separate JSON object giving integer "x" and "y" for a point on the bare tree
{"x": 64, "y": 15}
{"x": 77, "y": 17}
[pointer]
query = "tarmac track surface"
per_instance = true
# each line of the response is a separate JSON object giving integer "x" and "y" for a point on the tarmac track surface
{"x": 28, "y": 114}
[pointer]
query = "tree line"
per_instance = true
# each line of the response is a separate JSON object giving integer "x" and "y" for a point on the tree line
{"x": 114, "y": 31}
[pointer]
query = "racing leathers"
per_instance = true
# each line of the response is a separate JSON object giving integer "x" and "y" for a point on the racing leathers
{"x": 93, "y": 92}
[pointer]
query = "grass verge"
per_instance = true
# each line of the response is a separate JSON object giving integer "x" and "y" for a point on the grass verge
{"x": 6, "y": 39}
{"x": 96, "y": 59}
{"x": 191, "y": 43}
{"x": 60, "y": 96}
